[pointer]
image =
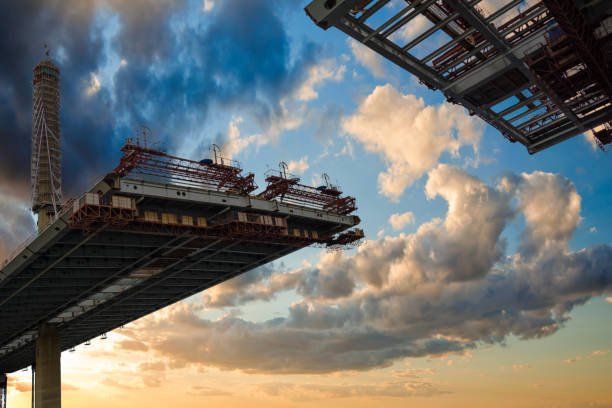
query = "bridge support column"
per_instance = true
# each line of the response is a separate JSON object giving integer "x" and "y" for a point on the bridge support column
{"x": 3, "y": 387}
{"x": 48, "y": 385}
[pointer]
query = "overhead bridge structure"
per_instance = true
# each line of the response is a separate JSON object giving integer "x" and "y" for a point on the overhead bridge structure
{"x": 538, "y": 71}
{"x": 152, "y": 232}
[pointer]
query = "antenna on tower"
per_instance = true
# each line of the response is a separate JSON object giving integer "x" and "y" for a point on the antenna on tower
{"x": 284, "y": 167}
{"x": 216, "y": 153}
{"x": 143, "y": 132}
{"x": 326, "y": 179}
{"x": 47, "y": 52}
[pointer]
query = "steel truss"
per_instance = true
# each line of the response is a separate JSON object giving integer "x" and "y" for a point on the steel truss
{"x": 287, "y": 188}
{"x": 228, "y": 226}
{"x": 155, "y": 165}
{"x": 46, "y": 156}
{"x": 482, "y": 62}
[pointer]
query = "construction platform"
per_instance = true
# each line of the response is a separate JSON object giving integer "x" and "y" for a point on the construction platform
{"x": 152, "y": 232}
{"x": 538, "y": 71}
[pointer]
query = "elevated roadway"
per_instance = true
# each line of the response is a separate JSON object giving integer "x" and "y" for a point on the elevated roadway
{"x": 131, "y": 246}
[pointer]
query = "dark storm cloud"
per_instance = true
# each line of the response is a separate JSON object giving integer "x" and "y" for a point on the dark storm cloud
{"x": 238, "y": 55}
{"x": 242, "y": 59}
{"x": 16, "y": 224}
{"x": 24, "y": 28}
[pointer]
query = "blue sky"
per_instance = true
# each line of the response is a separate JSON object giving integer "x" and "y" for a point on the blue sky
{"x": 260, "y": 79}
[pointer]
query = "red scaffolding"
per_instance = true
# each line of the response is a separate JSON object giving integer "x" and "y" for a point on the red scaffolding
{"x": 570, "y": 68}
{"x": 465, "y": 56}
{"x": 581, "y": 34}
{"x": 90, "y": 211}
{"x": 120, "y": 214}
{"x": 210, "y": 174}
{"x": 288, "y": 189}
{"x": 603, "y": 135}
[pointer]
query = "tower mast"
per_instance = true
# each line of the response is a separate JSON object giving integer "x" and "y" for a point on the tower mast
{"x": 46, "y": 160}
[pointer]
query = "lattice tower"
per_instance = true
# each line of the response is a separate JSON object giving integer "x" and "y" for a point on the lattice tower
{"x": 46, "y": 161}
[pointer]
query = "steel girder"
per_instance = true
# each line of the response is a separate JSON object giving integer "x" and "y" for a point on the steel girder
{"x": 507, "y": 48}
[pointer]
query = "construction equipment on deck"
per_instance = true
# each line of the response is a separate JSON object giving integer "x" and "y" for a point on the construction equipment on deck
{"x": 287, "y": 188}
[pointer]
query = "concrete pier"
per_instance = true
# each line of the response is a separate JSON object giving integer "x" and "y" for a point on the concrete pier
{"x": 3, "y": 386}
{"x": 48, "y": 384}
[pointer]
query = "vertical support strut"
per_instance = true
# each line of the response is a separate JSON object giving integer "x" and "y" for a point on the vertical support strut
{"x": 48, "y": 385}
{"x": 3, "y": 386}
{"x": 33, "y": 384}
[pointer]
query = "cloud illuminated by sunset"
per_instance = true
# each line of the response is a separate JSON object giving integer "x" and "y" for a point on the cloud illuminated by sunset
{"x": 478, "y": 282}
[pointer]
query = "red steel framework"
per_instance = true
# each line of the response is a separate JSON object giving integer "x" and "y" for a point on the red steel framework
{"x": 580, "y": 33}
{"x": 603, "y": 135}
{"x": 575, "y": 49}
{"x": 231, "y": 225}
{"x": 115, "y": 212}
{"x": 571, "y": 69}
{"x": 287, "y": 187}
{"x": 87, "y": 216}
{"x": 453, "y": 63}
{"x": 155, "y": 165}
{"x": 479, "y": 58}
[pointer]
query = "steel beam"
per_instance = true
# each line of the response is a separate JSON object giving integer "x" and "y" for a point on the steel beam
{"x": 405, "y": 20}
{"x": 548, "y": 110}
{"x": 67, "y": 275}
{"x": 140, "y": 263}
{"x": 520, "y": 104}
{"x": 392, "y": 52}
{"x": 336, "y": 13}
{"x": 107, "y": 252}
{"x": 372, "y": 9}
{"x": 448, "y": 45}
{"x": 422, "y": 37}
{"x": 509, "y": 57}
{"x": 591, "y": 121}
{"x": 83, "y": 242}
{"x": 489, "y": 32}
{"x": 117, "y": 240}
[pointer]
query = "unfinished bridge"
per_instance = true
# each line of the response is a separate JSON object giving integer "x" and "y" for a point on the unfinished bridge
{"x": 540, "y": 72}
{"x": 153, "y": 231}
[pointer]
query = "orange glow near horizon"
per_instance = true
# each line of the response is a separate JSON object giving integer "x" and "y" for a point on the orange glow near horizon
{"x": 117, "y": 372}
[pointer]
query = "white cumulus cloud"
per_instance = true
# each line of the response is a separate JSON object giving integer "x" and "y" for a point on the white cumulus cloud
{"x": 368, "y": 58}
{"x": 409, "y": 135}
{"x": 235, "y": 142}
{"x": 299, "y": 166}
{"x": 410, "y": 31}
{"x": 208, "y": 5}
{"x": 326, "y": 70}
{"x": 399, "y": 221}
{"x": 445, "y": 289}
{"x": 16, "y": 223}
{"x": 93, "y": 86}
